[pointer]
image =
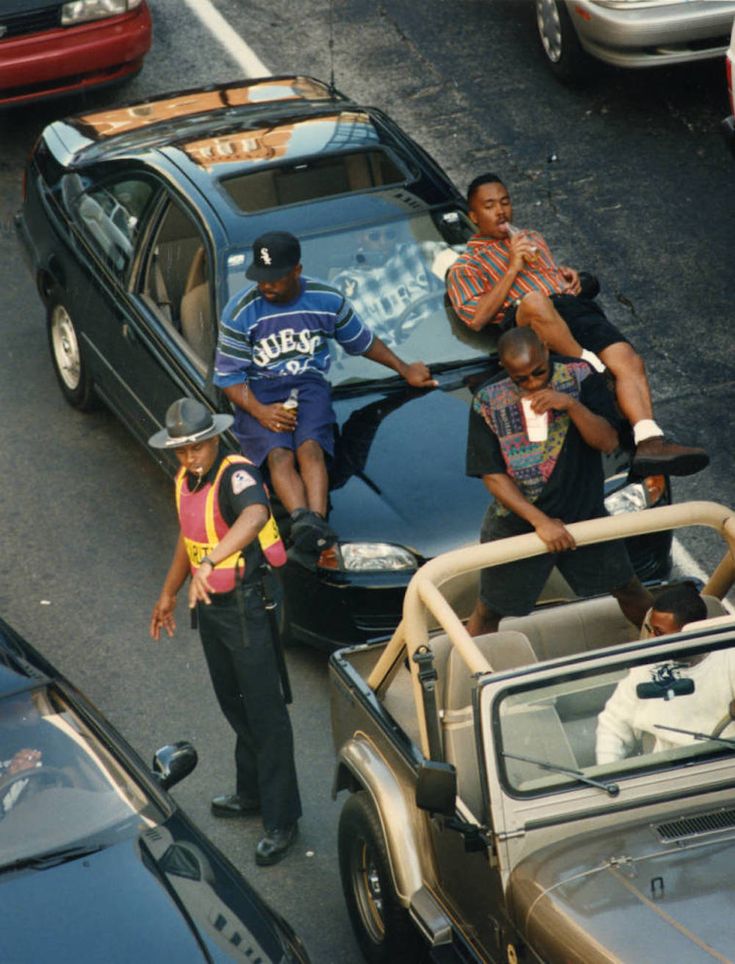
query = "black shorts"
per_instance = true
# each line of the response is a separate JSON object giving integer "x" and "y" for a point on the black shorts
{"x": 585, "y": 318}
{"x": 513, "y": 589}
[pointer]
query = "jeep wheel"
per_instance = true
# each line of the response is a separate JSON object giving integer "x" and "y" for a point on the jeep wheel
{"x": 382, "y": 926}
{"x": 66, "y": 354}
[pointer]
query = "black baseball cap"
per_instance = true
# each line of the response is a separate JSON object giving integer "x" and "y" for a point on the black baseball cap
{"x": 274, "y": 255}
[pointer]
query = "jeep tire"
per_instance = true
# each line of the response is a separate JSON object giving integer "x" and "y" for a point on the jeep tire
{"x": 382, "y": 925}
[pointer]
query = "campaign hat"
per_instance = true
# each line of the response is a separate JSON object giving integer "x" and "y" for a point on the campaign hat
{"x": 274, "y": 255}
{"x": 189, "y": 422}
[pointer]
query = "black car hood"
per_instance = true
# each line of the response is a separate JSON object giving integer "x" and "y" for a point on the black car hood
{"x": 399, "y": 455}
{"x": 10, "y": 7}
{"x": 628, "y": 895}
{"x": 123, "y": 904}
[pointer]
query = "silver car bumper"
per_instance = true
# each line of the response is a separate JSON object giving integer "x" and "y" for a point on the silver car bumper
{"x": 651, "y": 32}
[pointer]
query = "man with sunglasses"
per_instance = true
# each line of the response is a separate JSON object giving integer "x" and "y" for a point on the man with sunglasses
{"x": 544, "y": 476}
{"x": 508, "y": 277}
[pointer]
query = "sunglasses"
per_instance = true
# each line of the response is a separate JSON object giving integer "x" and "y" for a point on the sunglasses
{"x": 538, "y": 372}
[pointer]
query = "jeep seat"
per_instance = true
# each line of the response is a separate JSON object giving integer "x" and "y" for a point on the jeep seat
{"x": 503, "y": 650}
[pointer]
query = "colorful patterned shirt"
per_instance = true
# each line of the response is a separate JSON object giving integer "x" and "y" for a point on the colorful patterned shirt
{"x": 262, "y": 340}
{"x": 485, "y": 263}
{"x": 562, "y": 475}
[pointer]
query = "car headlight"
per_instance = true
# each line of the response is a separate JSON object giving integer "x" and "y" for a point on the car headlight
{"x": 367, "y": 557}
{"x": 636, "y": 495}
{"x": 79, "y": 11}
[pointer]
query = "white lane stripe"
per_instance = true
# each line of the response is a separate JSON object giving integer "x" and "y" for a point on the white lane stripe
{"x": 244, "y": 57}
{"x": 687, "y": 566}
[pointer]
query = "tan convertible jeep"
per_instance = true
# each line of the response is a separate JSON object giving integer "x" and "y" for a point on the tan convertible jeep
{"x": 557, "y": 791}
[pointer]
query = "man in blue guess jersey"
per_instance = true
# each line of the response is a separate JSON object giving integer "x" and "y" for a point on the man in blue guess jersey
{"x": 273, "y": 348}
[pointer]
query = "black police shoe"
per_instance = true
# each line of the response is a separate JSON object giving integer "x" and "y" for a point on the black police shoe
{"x": 234, "y": 805}
{"x": 275, "y": 845}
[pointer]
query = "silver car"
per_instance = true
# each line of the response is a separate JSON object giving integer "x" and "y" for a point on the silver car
{"x": 631, "y": 33}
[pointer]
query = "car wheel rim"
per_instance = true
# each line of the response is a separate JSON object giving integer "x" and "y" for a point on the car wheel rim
{"x": 368, "y": 891}
{"x": 549, "y": 28}
{"x": 66, "y": 347}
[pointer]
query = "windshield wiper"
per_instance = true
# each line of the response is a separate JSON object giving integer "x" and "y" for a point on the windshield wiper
{"x": 697, "y": 736}
{"x": 51, "y": 858}
{"x": 612, "y": 788}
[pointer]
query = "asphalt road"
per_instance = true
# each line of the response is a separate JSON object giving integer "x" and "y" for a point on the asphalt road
{"x": 640, "y": 193}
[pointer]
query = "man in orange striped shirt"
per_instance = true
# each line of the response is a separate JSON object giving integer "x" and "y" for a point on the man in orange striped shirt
{"x": 508, "y": 277}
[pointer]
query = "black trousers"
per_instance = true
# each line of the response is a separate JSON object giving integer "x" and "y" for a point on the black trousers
{"x": 237, "y": 643}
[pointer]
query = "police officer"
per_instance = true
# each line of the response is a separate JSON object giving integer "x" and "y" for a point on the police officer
{"x": 222, "y": 507}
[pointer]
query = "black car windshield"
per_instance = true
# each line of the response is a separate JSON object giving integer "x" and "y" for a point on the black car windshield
{"x": 393, "y": 273}
{"x": 59, "y": 784}
{"x": 606, "y": 725}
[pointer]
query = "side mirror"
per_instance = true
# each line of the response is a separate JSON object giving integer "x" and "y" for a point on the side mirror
{"x": 436, "y": 788}
{"x": 173, "y": 762}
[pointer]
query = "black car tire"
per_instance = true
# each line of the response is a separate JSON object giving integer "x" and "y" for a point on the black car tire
{"x": 560, "y": 43}
{"x": 382, "y": 925}
{"x": 70, "y": 367}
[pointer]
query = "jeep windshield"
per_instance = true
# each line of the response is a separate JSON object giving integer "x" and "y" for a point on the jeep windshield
{"x": 607, "y": 724}
{"x": 393, "y": 271}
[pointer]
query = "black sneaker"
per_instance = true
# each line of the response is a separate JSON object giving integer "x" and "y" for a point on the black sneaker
{"x": 311, "y": 533}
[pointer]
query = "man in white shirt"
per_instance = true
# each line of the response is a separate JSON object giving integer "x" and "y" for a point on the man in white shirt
{"x": 628, "y": 721}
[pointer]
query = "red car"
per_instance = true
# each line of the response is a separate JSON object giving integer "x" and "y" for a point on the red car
{"x": 59, "y": 48}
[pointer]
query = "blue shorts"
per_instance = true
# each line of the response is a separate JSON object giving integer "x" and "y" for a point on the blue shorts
{"x": 315, "y": 417}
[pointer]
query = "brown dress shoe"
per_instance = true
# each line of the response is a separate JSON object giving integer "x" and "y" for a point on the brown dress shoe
{"x": 658, "y": 456}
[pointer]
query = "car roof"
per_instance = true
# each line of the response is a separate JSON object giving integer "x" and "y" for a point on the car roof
{"x": 191, "y": 113}
{"x": 212, "y": 134}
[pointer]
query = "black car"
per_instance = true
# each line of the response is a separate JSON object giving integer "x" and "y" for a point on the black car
{"x": 97, "y": 863}
{"x": 138, "y": 222}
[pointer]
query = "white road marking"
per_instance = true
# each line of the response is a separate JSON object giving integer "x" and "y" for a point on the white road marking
{"x": 244, "y": 57}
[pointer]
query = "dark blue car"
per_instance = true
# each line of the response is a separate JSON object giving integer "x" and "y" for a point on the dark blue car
{"x": 138, "y": 221}
{"x": 97, "y": 863}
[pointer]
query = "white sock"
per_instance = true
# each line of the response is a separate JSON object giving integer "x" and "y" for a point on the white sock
{"x": 644, "y": 429}
{"x": 591, "y": 358}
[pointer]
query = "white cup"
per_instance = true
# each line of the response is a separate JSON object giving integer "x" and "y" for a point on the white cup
{"x": 537, "y": 425}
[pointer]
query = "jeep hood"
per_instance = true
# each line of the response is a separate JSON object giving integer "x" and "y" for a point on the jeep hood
{"x": 629, "y": 896}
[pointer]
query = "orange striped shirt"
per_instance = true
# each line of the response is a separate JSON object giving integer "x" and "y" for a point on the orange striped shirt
{"x": 485, "y": 263}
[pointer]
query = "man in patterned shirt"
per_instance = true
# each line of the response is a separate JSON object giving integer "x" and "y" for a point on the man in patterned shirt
{"x": 542, "y": 485}
{"x": 509, "y": 279}
{"x": 274, "y": 344}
